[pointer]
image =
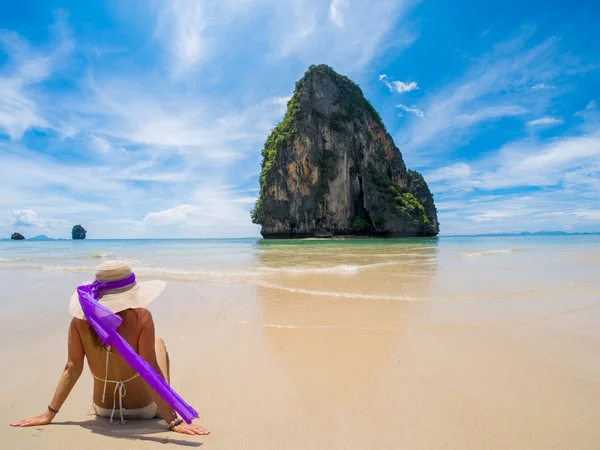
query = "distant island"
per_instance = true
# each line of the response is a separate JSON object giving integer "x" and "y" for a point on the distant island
{"x": 331, "y": 168}
{"x": 527, "y": 233}
{"x": 41, "y": 237}
{"x": 78, "y": 232}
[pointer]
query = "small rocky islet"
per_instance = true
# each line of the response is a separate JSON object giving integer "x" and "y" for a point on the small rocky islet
{"x": 78, "y": 232}
{"x": 331, "y": 168}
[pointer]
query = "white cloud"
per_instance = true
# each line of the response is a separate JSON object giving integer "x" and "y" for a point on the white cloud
{"x": 545, "y": 164}
{"x": 105, "y": 148}
{"x": 27, "y": 218}
{"x": 572, "y": 161}
{"x": 180, "y": 28}
{"x": 411, "y": 109}
{"x": 168, "y": 122}
{"x": 488, "y": 113}
{"x": 176, "y": 214}
{"x": 336, "y": 14}
{"x": 492, "y": 215}
{"x": 540, "y": 86}
{"x": 342, "y": 33}
{"x": 399, "y": 87}
{"x": 346, "y": 35}
{"x": 546, "y": 121}
{"x": 450, "y": 173}
{"x": 214, "y": 209}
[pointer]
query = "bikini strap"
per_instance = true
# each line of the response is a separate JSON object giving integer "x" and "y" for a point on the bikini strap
{"x": 105, "y": 377}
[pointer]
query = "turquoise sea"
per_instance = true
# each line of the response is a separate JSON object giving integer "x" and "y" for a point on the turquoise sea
{"x": 444, "y": 267}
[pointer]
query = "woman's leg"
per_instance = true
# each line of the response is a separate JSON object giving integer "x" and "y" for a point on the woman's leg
{"x": 162, "y": 357}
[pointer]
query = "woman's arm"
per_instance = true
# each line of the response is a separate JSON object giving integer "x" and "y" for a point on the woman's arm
{"x": 147, "y": 349}
{"x": 69, "y": 377}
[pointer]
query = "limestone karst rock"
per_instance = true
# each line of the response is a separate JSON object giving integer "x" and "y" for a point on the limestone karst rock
{"x": 330, "y": 167}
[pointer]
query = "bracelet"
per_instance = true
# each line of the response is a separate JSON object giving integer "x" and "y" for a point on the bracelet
{"x": 174, "y": 423}
{"x": 52, "y": 409}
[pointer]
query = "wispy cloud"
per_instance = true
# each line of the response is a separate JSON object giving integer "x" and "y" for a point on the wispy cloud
{"x": 540, "y": 86}
{"x": 546, "y": 121}
{"x": 26, "y": 67}
{"x": 450, "y": 173}
{"x": 211, "y": 204}
{"x": 336, "y": 11}
{"x": 411, "y": 109}
{"x": 564, "y": 174}
{"x": 346, "y": 35}
{"x": 495, "y": 86}
{"x": 524, "y": 164}
{"x": 180, "y": 27}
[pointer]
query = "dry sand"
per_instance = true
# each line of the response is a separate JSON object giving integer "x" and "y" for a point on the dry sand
{"x": 270, "y": 369}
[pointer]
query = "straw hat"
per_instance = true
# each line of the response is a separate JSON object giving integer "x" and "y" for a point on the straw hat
{"x": 136, "y": 295}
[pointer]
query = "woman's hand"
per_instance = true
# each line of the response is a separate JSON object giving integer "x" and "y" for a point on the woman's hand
{"x": 192, "y": 429}
{"x": 43, "y": 419}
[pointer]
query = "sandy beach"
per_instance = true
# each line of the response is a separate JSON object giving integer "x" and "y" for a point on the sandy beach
{"x": 331, "y": 361}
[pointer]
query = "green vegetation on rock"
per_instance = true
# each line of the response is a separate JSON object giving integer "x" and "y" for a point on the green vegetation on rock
{"x": 402, "y": 202}
{"x": 78, "y": 232}
{"x": 284, "y": 131}
{"x": 17, "y": 237}
{"x": 361, "y": 224}
{"x": 350, "y": 97}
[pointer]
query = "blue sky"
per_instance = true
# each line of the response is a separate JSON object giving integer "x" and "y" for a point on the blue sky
{"x": 147, "y": 118}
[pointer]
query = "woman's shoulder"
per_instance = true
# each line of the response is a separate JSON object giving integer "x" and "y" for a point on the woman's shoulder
{"x": 77, "y": 323}
{"x": 143, "y": 314}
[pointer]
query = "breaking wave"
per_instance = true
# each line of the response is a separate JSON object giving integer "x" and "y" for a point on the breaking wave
{"x": 490, "y": 252}
{"x": 145, "y": 271}
{"x": 96, "y": 255}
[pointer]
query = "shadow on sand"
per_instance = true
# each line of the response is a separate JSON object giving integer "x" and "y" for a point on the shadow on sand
{"x": 141, "y": 430}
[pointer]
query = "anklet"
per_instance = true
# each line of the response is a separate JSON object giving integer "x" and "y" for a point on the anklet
{"x": 53, "y": 409}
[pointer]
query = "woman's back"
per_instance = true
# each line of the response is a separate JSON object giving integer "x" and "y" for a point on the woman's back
{"x": 96, "y": 353}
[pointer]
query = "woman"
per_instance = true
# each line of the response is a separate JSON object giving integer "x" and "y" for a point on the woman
{"x": 131, "y": 396}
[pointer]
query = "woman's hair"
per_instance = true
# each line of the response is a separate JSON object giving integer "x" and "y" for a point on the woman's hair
{"x": 95, "y": 338}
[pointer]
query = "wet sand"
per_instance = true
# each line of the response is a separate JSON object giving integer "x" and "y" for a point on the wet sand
{"x": 272, "y": 365}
